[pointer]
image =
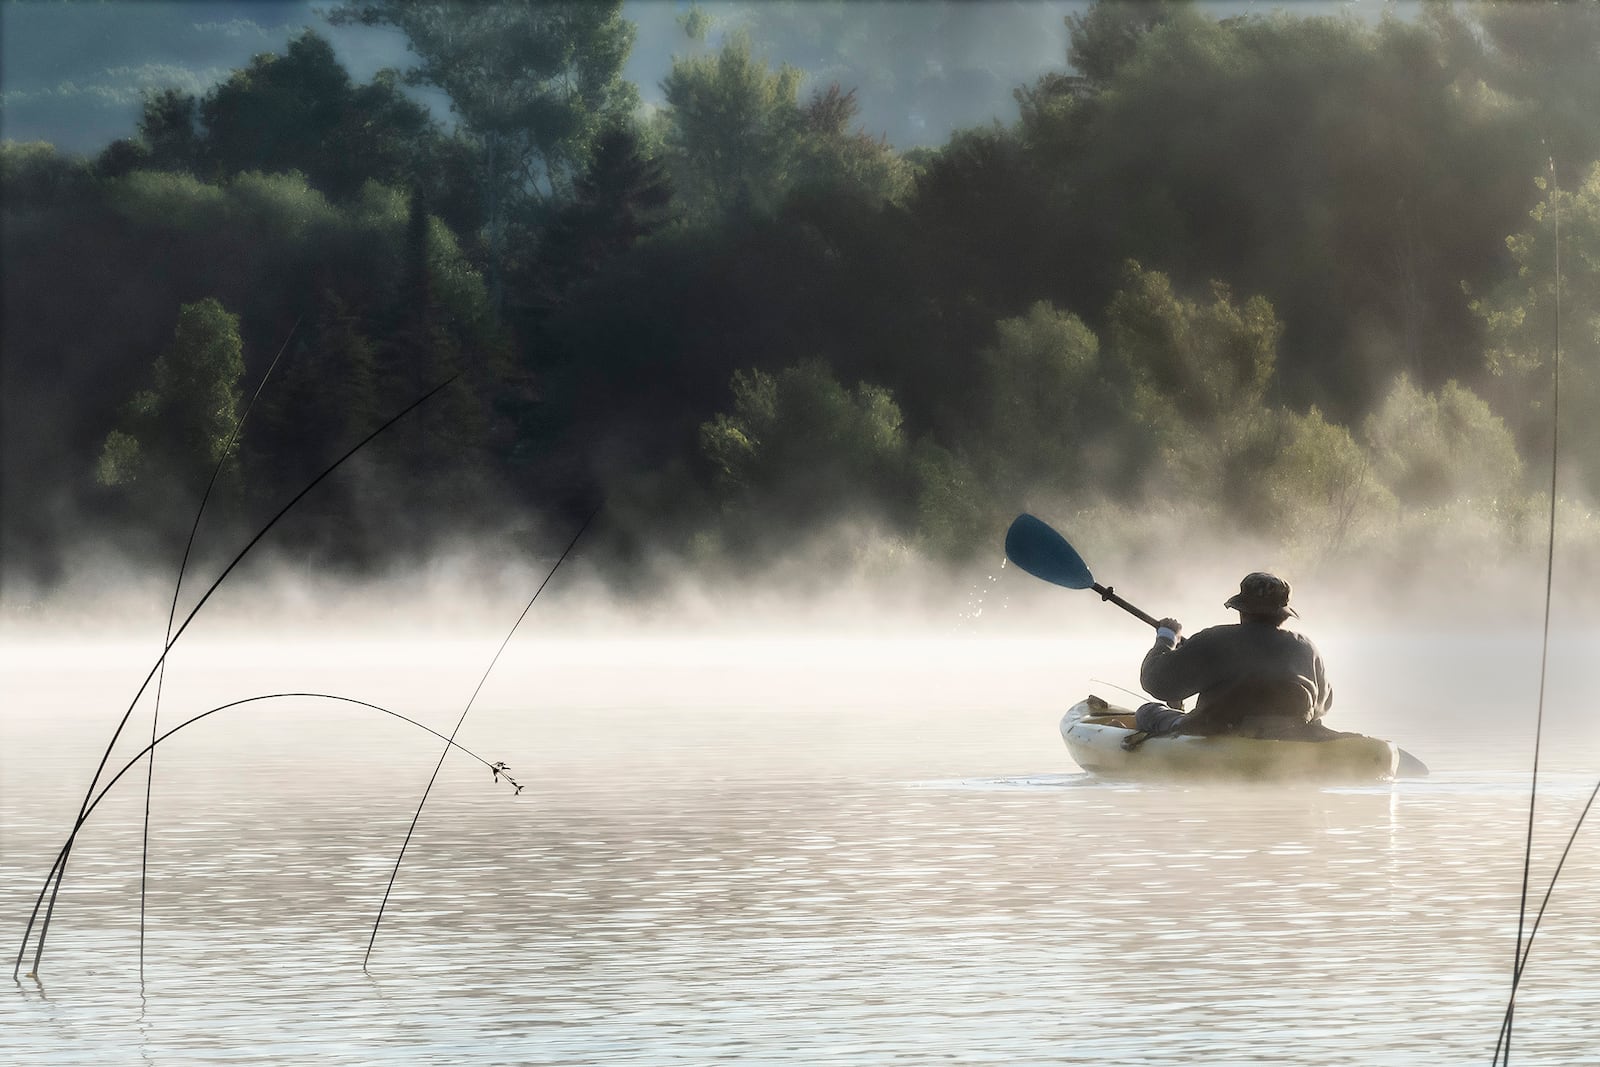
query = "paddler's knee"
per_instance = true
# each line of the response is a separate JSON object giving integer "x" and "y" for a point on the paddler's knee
{"x": 1156, "y": 718}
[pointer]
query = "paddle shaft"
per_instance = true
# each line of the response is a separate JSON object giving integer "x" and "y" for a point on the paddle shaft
{"x": 1106, "y": 594}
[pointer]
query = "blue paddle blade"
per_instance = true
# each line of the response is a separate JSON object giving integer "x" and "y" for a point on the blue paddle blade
{"x": 1035, "y": 547}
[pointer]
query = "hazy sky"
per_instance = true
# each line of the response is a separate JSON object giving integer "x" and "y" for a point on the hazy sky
{"x": 74, "y": 71}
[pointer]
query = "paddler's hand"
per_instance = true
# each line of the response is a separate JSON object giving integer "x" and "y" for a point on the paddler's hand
{"x": 1170, "y": 629}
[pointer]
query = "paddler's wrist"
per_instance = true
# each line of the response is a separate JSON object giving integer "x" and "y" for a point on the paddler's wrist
{"x": 1170, "y": 637}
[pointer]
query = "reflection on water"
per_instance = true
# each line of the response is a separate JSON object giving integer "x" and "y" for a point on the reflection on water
{"x": 775, "y": 882}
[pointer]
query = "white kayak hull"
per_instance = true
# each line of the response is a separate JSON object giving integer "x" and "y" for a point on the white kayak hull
{"x": 1095, "y": 730}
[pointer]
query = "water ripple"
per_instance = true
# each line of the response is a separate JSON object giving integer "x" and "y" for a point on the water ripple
{"x": 731, "y": 906}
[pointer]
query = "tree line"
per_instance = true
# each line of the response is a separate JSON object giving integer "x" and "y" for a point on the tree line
{"x": 1289, "y": 274}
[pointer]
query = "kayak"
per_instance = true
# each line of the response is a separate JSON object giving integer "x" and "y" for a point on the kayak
{"x": 1094, "y": 731}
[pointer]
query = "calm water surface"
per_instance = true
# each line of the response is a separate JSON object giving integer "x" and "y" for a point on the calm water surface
{"x": 779, "y": 852}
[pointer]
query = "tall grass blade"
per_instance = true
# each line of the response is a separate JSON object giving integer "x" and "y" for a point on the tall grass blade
{"x": 1544, "y": 649}
{"x": 52, "y": 885}
{"x": 497, "y": 769}
{"x": 1527, "y": 945}
{"x": 172, "y": 615}
{"x": 423, "y": 802}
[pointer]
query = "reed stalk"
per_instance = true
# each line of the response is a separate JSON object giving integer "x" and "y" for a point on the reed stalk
{"x": 1527, "y": 944}
{"x": 1519, "y": 956}
{"x": 52, "y": 886}
{"x": 172, "y": 615}
{"x": 393, "y": 875}
{"x": 498, "y": 770}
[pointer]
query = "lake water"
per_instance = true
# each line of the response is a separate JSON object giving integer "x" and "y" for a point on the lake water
{"x": 780, "y": 851}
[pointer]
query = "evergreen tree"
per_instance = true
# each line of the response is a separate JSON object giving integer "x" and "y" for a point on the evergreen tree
{"x": 621, "y": 198}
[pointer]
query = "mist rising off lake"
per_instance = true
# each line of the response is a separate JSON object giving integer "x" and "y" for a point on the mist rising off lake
{"x": 784, "y": 850}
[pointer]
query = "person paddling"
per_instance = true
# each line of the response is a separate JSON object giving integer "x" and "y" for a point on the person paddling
{"x": 1253, "y": 678}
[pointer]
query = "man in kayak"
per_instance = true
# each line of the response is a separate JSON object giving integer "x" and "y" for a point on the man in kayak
{"x": 1252, "y": 678}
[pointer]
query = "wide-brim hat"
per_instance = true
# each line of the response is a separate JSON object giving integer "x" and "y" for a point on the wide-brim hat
{"x": 1261, "y": 593}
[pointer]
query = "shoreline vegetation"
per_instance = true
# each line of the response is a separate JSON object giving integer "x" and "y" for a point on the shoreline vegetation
{"x": 1282, "y": 280}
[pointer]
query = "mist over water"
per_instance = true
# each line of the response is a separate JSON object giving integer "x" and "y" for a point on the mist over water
{"x": 851, "y": 835}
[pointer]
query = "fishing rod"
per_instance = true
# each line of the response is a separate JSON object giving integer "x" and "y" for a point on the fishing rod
{"x": 1123, "y": 688}
{"x": 393, "y": 875}
{"x": 60, "y": 873}
{"x": 172, "y": 615}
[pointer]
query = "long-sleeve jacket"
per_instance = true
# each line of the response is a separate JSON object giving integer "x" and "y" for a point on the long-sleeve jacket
{"x": 1250, "y": 677}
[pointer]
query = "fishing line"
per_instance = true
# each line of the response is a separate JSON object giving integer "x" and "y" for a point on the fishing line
{"x": 497, "y": 769}
{"x": 104, "y": 759}
{"x": 172, "y": 615}
{"x": 1544, "y": 649}
{"x": 1114, "y": 685}
{"x": 429, "y": 788}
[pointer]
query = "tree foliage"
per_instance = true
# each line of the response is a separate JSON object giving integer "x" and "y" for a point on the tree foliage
{"x": 533, "y": 81}
{"x": 1106, "y": 36}
{"x": 1249, "y": 270}
{"x": 739, "y": 140}
{"x": 1546, "y": 58}
{"x": 730, "y": 128}
{"x": 1433, "y": 448}
{"x": 799, "y": 436}
{"x": 301, "y": 111}
{"x": 1526, "y": 318}
{"x": 180, "y": 426}
{"x": 916, "y": 67}
{"x": 622, "y": 198}
{"x": 1353, "y": 175}
{"x": 1200, "y": 379}
{"x": 1052, "y": 417}
{"x": 1314, "y": 484}
{"x": 1205, "y": 364}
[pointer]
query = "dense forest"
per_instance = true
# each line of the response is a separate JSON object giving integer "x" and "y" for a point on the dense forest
{"x": 1289, "y": 275}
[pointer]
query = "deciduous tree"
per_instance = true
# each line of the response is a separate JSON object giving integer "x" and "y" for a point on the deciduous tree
{"x": 179, "y": 427}
{"x": 534, "y": 82}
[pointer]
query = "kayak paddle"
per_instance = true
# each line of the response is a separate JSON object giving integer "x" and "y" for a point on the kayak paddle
{"x": 1034, "y": 545}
